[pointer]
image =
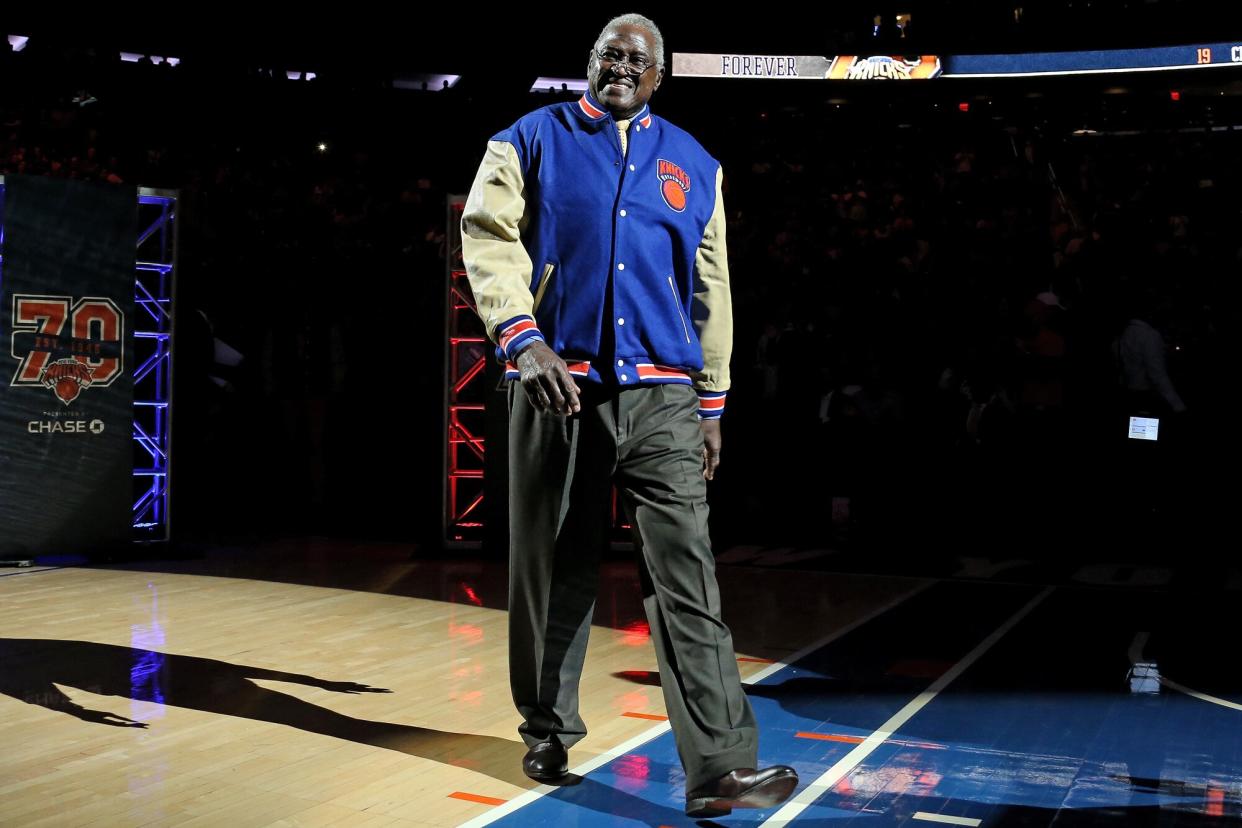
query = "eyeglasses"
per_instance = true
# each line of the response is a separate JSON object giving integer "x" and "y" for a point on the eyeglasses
{"x": 633, "y": 65}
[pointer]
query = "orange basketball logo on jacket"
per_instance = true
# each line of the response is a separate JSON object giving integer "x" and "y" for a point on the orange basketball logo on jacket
{"x": 674, "y": 184}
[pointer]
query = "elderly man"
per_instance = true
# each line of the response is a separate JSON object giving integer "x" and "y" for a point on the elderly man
{"x": 594, "y": 239}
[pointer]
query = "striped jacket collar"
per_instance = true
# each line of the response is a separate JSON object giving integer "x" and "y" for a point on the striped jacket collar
{"x": 590, "y": 109}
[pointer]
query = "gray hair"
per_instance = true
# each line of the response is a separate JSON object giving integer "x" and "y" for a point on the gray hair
{"x": 657, "y": 39}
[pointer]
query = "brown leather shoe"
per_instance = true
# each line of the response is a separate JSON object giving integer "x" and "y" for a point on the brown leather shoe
{"x": 742, "y": 788}
{"x": 546, "y": 761}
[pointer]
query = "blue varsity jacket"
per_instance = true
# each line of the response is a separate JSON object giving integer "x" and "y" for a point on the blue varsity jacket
{"x": 607, "y": 245}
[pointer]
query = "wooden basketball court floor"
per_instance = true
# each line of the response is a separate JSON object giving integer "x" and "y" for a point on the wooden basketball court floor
{"x": 328, "y": 683}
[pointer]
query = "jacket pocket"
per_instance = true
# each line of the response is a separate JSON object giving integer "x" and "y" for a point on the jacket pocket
{"x": 677, "y": 304}
{"x": 543, "y": 284}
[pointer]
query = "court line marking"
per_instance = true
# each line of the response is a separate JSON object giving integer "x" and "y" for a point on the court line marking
{"x": 946, "y": 819}
{"x": 482, "y": 800}
{"x": 1136, "y": 656}
{"x": 31, "y": 570}
{"x": 856, "y": 756}
{"x": 777, "y": 666}
{"x": 586, "y": 767}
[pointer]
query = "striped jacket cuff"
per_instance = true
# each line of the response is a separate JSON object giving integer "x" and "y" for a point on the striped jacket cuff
{"x": 513, "y": 334}
{"x": 711, "y": 404}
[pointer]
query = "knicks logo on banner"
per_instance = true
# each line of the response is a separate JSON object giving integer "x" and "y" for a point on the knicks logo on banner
{"x": 67, "y": 346}
{"x": 674, "y": 184}
{"x": 883, "y": 67}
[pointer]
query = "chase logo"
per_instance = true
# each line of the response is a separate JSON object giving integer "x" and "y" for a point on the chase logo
{"x": 64, "y": 427}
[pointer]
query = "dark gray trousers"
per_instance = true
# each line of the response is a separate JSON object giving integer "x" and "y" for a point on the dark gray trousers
{"x": 561, "y": 469}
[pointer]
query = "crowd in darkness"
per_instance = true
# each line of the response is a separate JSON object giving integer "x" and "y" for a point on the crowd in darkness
{"x": 943, "y": 319}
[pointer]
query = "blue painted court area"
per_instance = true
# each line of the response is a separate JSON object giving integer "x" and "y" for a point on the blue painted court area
{"x": 1045, "y": 730}
{"x": 1041, "y": 729}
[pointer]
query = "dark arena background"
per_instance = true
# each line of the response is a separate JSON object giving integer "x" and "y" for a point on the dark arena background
{"x": 253, "y": 442}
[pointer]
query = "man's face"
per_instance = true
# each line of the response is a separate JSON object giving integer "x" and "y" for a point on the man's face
{"x": 613, "y": 79}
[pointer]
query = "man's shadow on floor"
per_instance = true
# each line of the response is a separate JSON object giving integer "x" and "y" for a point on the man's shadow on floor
{"x": 31, "y": 668}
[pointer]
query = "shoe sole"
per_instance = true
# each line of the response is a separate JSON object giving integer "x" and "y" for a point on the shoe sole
{"x": 764, "y": 795}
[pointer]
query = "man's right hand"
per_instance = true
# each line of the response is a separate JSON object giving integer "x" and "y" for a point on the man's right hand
{"x": 546, "y": 380}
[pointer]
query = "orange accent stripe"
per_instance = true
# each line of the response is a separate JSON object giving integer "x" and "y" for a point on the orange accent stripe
{"x": 832, "y": 737}
{"x": 854, "y": 740}
{"x": 652, "y": 716}
{"x": 482, "y": 800}
{"x": 711, "y": 404}
{"x": 520, "y": 326}
{"x": 658, "y": 371}
{"x": 515, "y": 330}
{"x": 1215, "y": 802}
{"x": 584, "y": 367}
{"x": 756, "y": 660}
{"x": 841, "y": 66}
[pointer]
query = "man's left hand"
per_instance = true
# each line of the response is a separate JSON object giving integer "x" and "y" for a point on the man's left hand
{"x": 711, "y": 447}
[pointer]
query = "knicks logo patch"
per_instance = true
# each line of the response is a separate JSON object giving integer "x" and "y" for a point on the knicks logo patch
{"x": 67, "y": 378}
{"x": 674, "y": 184}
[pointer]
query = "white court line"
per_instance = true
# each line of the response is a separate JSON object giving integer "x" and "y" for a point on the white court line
{"x": 30, "y": 570}
{"x": 946, "y": 819}
{"x": 586, "y": 767}
{"x": 1136, "y": 655}
{"x": 856, "y": 756}
{"x": 581, "y": 770}
{"x": 777, "y": 666}
{"x": 1181, "y": 688}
